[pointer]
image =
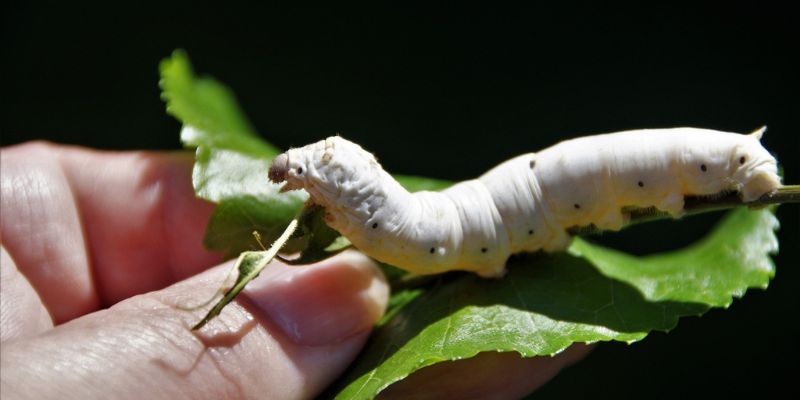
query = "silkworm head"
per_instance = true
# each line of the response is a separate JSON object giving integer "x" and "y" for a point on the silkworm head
{"x": 279, "y": 168}
{"x": 285, "y": 168}
{"x": 756, "y": 169}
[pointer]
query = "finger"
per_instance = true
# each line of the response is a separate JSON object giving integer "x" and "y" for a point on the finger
{"x": 41, "y": 230}
{"x": 90, "y": 228}
{"x": 144, "y": 226}
{"x": 21, "y": 309}
{"x": 488, "y": 375}
{"x": 288, "y": 337}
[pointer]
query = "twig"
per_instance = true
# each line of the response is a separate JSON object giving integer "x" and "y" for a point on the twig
{"x": 249, "y": 264}
{"x": 698, "y": 205}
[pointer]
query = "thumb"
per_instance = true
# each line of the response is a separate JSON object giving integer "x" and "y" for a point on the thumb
{"x": 288, "y": 336}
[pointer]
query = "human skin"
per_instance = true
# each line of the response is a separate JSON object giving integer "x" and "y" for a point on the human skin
{"x": 101, "y": 253}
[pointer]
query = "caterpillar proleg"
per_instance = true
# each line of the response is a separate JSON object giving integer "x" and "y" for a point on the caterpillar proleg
{"x": 526, "y": 203}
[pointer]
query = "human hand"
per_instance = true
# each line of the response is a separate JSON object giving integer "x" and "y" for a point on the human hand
{"x": 99, "y": 252}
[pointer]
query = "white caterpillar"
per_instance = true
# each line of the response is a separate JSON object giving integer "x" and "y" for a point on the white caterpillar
{"x": 526, "y": 203}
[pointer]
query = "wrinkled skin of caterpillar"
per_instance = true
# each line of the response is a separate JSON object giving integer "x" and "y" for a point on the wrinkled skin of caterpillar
{"x": 526, "y": 203}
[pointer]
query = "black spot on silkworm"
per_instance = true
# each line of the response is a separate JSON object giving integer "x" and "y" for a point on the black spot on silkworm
{"x": 641, "y": 184}
{"x": 484, "y": 249}
{"x": 375, "y": 225}
{"x": 433, "y": 249}
{"x": 532, "y": 164}
{"x": 703, "y": 167}
{"x": 742, "y": 160}
{"x": 300, "y": 170}
{"x": 577, "y": 206}
{"x": 530, "y": 231}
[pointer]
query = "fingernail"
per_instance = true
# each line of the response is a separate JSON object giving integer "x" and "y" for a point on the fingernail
{"x": 324, "y": 303}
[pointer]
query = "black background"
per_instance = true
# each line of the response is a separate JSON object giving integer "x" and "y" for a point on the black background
{"x": 449, "y": 92}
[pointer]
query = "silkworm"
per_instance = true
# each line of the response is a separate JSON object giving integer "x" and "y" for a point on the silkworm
{"x": 526, "y": 203}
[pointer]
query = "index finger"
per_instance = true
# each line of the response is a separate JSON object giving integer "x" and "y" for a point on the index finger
{"x": 128, "y": 223}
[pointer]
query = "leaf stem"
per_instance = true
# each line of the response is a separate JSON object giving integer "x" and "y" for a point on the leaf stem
{"x": 249, "y": 264}
{"x": 703, "y": 204}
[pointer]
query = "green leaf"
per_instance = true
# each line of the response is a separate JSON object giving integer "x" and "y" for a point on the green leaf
{"x": 209, "y": 108}
{"x": 247, "y": 201}
{"x": 543, "y": 305}
{"x": 231, "y": 226}
{"x": 711, "y": 271}
{"x": 231, "y": 161}
{"x": 546, "y": 303}
{"x": 418, "y": 183}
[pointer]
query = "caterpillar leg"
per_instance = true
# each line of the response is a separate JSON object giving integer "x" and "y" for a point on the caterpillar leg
{"x": 613, "y": 220}
{"x": 672, "y": 204}
{"x": 558, "y": 242}
{"x": 758, "y": 185}
{"x": 497, "y": 271}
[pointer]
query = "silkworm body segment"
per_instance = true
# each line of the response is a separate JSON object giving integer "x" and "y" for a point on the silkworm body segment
{"x": 526, "y": 203}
